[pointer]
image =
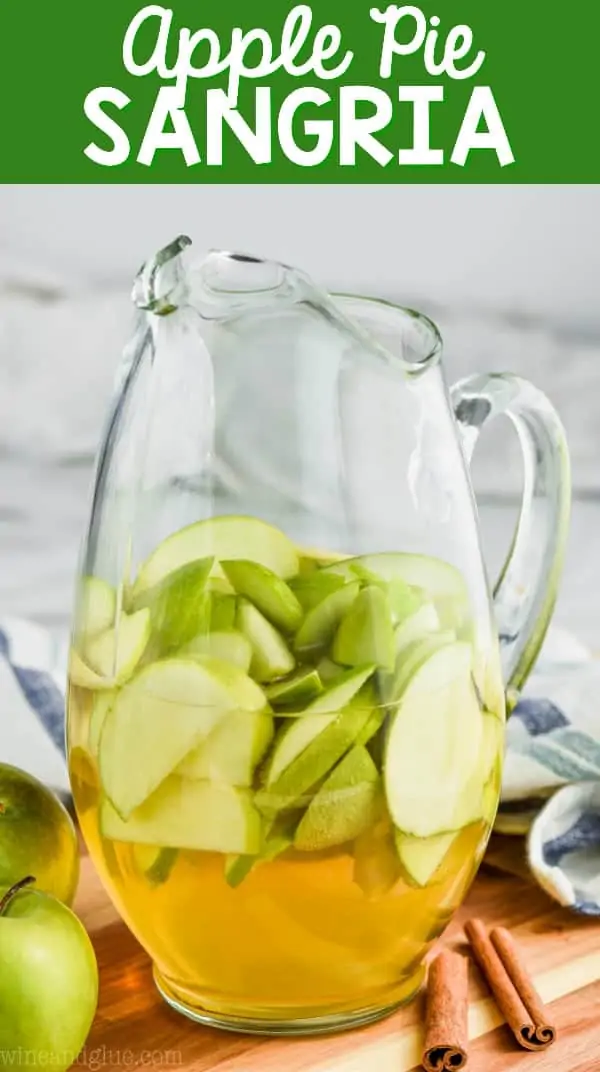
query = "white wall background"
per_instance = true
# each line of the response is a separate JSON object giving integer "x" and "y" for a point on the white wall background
{"x": 526, "y": 249}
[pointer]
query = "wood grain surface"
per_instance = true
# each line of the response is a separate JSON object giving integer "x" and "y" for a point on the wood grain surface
{"x": 134, "y": 1028}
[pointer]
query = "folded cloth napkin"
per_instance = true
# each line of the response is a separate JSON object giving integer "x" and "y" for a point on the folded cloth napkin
{"x": 32, "y": 701}
{"x": 552, "y": 754}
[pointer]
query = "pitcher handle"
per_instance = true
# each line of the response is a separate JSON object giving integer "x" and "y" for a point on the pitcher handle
{"x": 525, "y": 593}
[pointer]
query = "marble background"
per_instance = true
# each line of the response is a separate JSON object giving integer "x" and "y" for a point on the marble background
{"x": 509, "y": 273}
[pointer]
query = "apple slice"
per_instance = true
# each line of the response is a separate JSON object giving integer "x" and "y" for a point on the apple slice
{"x": 177, "y": 604}
{"x": 114, "y": 654}
{"x": 242, "y": 690}
{"x": 291, "y": 742}
{"x": 473, "y": 803}
{"x": 416, "y": 626}
{"x": 237, "y": 868}
{"x": 410, "y": 659}
{"x": 376, "y": 864}
{"x": 232, "y": 750}
{"x": 229, "y": 645}
{"x": 341, "y": 690}
{"x": 421, "y": 858}
{"x": 205, "y": 816}
{"x": 311, "y": 588}
{"x": 222, "y": 537}
{"x": 366, "y": 632}
{"x": 328, "y": 670}
{"x": 272, "y": 596}
{"x": 159, "y": 716}
{"x": 305, "y": 752}
{"x": 372, "y": 725}
{"x": 442, "y": 582}
{"x": 103, "y": 702}
{"x": 319, "y": 626}
{"x": 154, "y": 863}
{"x": 297, "y": 689}
{"x": 344, "y": 805}
{"x": 85, "y": 678}
{"x": 223, "y": 607}
{"x": 96, "y": 607}
{"x": 434, "y": 741}
{"x": 271, "y": 657}
{"x": 491, "y": 800}
{"x": 404, "y": 599}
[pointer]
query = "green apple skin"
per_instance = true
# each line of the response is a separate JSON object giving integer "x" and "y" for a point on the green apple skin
{"x": 48, "y": 982}
{"x": 37, "y": 836}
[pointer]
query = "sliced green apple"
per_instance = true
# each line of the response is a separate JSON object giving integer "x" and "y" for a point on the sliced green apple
{"x": 292, "y": 740}
{"x": 442, "y": 582}
{"x": 229, "y": 645}
{"x": 83, "y": 676}
{"x": 366, "y": 632}
{"x": 416, "y": 626}
{"x": 311, "y": 588}
{"x": 96, "y": 607}
{"x": 319, "y": 626}
{"x": 115, "y": 653}
{"x": 273, "y": 597}
{"x": 422, "y": 857}
{"x": 232, "y": 750}
{"x": 296, "y": 690}
{"x": 243, "y": 692}
{"x": 344, "y": 805}
{"x": 372, "y": 725}
{"x": 224, "y": 538}
{"x": 103, "y": 701}
{"x": 305, "y": 752}
{"x": 492, "y": 743}
{"x": 433, "y": 744}
{"x": 223, "y": 607}
{"x": 409, "y": 661}
{"x": 237, "y": 868}
{"x": 472, "y": 804}
{"x": 346, "y": 685}
{"x": 183, "y": 814}
{"x": 271, "y": 657}
{"x": 340, "y": 691}
{"x": 328, "y": 670}
{"x": 404, "y": 599}
{"x": 158, "y": 717}
{"x": 154, "y": 863}
{"x": 177, "y": 604}
{"x": 491, "y": 799}
{"x": 376, "y": 864}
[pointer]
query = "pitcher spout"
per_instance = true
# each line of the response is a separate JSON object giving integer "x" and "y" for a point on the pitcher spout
{"x": 160, "y": 285}
{"x": 217, "y": 286}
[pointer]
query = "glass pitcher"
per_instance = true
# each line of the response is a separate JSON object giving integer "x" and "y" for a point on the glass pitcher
{"x": 287, "y": 692}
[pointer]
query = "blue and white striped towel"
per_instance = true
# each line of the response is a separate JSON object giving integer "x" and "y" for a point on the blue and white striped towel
{"x": 551, "y": 787}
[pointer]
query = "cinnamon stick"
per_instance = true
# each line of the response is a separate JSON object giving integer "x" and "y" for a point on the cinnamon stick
{"x": 446, "y": 1034}
{"x": 520, "y": 1004}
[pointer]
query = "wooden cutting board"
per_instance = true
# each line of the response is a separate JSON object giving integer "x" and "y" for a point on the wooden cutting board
{"x": 134, "y": 1028}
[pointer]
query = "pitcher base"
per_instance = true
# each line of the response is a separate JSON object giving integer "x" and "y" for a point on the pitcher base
{"x": 274, "y": 1021}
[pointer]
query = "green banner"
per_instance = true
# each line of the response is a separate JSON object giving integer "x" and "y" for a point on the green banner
{"x": 472, "y": 91}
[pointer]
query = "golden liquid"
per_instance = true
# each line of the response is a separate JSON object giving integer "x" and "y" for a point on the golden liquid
{"x": 297, "y": 938}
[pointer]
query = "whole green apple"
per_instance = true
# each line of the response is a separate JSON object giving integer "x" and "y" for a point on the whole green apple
{"x": 48, "y": 980}
{"x": 37, "y": 836}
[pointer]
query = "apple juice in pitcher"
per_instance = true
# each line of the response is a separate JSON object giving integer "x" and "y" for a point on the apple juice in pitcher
{"x": 286, "y": 709}
{"x": 287, "y": 765}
